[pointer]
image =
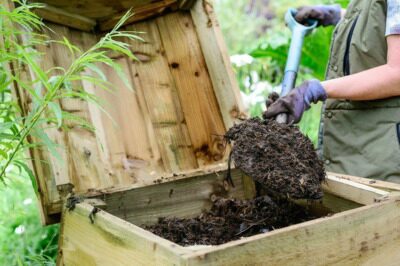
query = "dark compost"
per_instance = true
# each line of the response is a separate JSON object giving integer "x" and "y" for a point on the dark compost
{"x": 279, "y": 157}
{"x": 231, "y": 219}
{"x": 283, "y": 161}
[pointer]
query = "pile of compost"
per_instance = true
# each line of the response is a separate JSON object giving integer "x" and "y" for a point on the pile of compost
{"x": 278, "y": 156}
{"x": 231, "y": 219}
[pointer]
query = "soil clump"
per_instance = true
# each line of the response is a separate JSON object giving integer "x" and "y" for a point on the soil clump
{"x": 278, "y": 156}
{"x": 230, "y": 219}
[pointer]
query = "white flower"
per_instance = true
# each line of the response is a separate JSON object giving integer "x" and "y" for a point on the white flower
{"x": 20, "y": 229}
{"x": 241, "y": 59}
{"x": 27, "y": 201}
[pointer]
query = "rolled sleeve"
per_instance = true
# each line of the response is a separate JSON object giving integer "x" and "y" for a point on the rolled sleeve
{"x": 393, "y": 17}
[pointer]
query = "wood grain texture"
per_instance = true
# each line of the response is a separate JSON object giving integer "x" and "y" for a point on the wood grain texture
{"x": 63, "y": 17}
{"x": 189, "y": 71}
{"x": 111, "y": 241}
{"x": 353, "y": 191}
{"x": 169, "y": 123}
{"x": 356, "y": 237}
{"x": 218, "y": 63}
{"x": 153, "y": 80}
{"x": 97, "y": 9}
{"x": 103, "y": 15}
{"x": 362, "y": 236}
{"x": 57, "y": 55}
{"x": 143, "y": 12}
{"x": 182, "y": 198}
{"x": 369, "y": 182}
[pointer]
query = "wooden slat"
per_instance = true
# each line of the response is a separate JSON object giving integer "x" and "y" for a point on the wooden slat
{"x": 369, "y": 182}
{"x": 89, "y": 170}
{"x": 46, "y": 167}
{"x": 63, "y": 17}
{"x": 98, "y": 9}
{"x": 140, "y": 13}
{"x": 199, "y": 105}
{"x": 328, "y": 205}
{"x": 182, "y": 198}
{"x": 356, "y": 237}
{"x": 57, "y": 55}
{"x": 154, "y": 81}
{"x": 111, "y": 241}
{"x": 217, "y": 58}
{"x": 353, "y": 191}
{"x": 124, "y": 132}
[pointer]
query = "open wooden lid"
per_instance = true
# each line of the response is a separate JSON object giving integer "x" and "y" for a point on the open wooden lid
{"x": 184, "y": 98}
{"x": 102, "y": 15}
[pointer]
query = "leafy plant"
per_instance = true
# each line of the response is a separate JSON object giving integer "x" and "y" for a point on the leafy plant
{"x": 47, "y": 87}
{"x": 23, "y": 240}
{"x": 262, "y": 75}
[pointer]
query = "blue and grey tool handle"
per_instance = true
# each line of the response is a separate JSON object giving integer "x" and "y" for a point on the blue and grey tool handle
{"x": 299, "y": 31}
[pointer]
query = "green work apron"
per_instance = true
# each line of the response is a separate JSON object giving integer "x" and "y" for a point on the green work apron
{"x": 361, "y": 138}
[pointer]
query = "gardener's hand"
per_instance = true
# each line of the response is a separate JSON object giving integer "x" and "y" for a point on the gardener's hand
{"x": 325, "y": 14}
{"x": 297, "y": 101}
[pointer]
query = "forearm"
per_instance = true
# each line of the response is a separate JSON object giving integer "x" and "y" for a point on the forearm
{"x": 376, "y": 83}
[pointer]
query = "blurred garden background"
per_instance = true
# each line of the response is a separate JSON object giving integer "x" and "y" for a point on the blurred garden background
{"x": 257, "y": 40}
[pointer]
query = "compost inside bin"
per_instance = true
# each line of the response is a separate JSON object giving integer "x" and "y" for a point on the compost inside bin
{"x": 283, "y": 161}
{"x": 230, "y": 219}
{"x": 278, "y": 156}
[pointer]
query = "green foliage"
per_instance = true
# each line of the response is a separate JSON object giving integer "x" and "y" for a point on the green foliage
{"x": 23, "y": 240}
{"x": 269, "y": 51}
{"x": 241, "y": 28}
{"x": 47, "y": 86}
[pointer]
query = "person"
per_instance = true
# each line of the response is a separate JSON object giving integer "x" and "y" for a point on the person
{"x": 360, "y": 133}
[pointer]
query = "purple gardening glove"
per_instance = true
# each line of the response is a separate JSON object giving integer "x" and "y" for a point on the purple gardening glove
{"x": 296, "y": 102}
{"x": 325, "y": 14}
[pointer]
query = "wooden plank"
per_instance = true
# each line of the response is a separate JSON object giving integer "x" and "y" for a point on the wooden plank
{"x": 353, "y": 191}
{"x": 57, "y": 56}
{"x": 355, "y": 237}
{"x": 154, "y": 81}
{"x": 88, "y": 169}
{"x": 46, "y": 172}
{"x": 328, "y": 205}
{"x": 99, "y": 9}
{"x": 389, "y": 186}
{"x": 63, "y": 17}
{"x": 140, "y": 13}
{"x": 197, "y": 98}
{"x": 111, "y": 241}
{"x": 126, "y": 136}
{"x": 182, "y": 198}
{"x": 218, "y": 63}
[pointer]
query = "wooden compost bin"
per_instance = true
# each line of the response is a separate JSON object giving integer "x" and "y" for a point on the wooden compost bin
{"x": 166, "y": 156}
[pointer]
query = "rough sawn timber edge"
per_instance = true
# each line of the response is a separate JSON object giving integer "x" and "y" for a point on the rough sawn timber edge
{"x": 363, "y": 236}
{"x": 342, "y": 239}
